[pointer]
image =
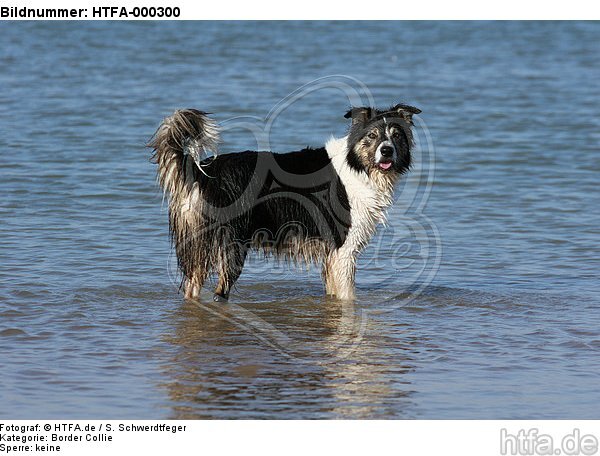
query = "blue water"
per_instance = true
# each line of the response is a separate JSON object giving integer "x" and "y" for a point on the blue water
{"x": 479, "y": 300}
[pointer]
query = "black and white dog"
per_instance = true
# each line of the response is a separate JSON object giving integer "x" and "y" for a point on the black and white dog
{"x": 314, "y": 205}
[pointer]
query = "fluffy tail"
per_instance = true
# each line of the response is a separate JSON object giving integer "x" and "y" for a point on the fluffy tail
{"x": 180, "y": 144}
{"x": 186, "y": 133}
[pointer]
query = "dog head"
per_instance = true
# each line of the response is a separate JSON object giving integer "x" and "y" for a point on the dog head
{"x": 379, "y": 141}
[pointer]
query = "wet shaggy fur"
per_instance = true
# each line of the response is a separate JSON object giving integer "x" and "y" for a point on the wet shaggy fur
{"x": 314, "y": 205}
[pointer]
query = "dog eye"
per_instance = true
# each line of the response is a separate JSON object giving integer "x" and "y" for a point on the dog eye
{"x": 395, "y": 134}
{"x": 372, "y": 135}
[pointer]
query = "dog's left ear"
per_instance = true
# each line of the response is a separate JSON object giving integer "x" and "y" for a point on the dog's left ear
{"x": 359, "y": 115}
{"x": 406, "y": 111}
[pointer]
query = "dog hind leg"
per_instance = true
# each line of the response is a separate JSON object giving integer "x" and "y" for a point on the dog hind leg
{"x": 193, "y": 285}
{"x": 230, "y": 268}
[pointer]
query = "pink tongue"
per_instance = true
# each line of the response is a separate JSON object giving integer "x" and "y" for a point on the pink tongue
{"x": 385, "y": 165}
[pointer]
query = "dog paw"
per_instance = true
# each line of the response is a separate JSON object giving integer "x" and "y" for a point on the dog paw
{"x": 219, "y": 298}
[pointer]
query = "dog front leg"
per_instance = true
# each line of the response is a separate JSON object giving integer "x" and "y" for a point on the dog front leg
{"x": 342, "y": 270}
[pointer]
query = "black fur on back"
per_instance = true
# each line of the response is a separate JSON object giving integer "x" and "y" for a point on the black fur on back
{"x": 275, "y": 201}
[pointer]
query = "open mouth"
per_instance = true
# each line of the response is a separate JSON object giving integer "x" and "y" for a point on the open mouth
{"x": 385, "y": 165}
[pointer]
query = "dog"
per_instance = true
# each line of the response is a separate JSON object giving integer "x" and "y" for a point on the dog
{"x": 315, "y": 205}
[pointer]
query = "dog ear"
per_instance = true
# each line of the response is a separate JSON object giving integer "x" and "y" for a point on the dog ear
{"x": 406, "y": 111}
{"x": 359, "y": 115}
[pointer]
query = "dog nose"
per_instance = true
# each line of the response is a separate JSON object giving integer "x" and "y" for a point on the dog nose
{"x": 387, "y": 151}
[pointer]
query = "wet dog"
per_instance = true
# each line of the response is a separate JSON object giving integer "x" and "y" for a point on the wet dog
{"x": 313, "y": 205}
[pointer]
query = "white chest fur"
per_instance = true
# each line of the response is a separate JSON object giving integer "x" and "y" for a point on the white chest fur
{"x": 368, "y": 202}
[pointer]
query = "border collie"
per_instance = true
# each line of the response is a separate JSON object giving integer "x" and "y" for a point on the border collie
{"x": 313, "y": 205}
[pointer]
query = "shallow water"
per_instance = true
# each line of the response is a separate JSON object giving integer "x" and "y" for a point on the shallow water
{"x": 480, "y": 300}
